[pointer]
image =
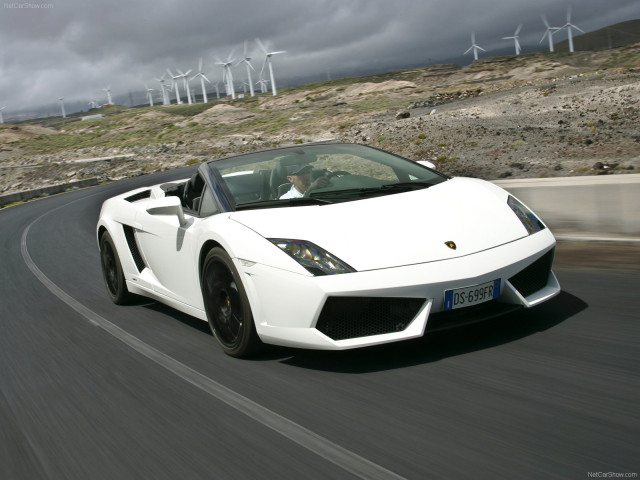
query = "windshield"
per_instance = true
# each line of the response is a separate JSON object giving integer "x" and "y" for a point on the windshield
{"x": 318, "y": 174}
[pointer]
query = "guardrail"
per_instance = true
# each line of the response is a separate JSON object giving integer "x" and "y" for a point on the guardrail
{"x": 605, "y": 206}
{"x": 39, "y": 192}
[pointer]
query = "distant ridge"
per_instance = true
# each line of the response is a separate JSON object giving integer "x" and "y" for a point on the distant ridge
{"x": 613, "y": 36}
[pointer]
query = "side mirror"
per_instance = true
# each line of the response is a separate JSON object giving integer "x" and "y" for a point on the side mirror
{"x": 167, "y": 206}
{"x": 427, "y": 163}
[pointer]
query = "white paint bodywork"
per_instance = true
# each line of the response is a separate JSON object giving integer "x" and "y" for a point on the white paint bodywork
{"x": 396, "y": 244}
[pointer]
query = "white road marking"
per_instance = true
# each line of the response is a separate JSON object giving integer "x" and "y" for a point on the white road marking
{"x": 343, "y": 458}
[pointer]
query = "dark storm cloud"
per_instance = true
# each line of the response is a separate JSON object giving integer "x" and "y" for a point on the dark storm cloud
{"x": 52, "y": 48}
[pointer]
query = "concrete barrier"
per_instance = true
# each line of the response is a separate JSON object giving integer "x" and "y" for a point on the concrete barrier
{"x": 600, "y": 206}
{"x": 606, "y": 206}
{"x": 38, "y": 192}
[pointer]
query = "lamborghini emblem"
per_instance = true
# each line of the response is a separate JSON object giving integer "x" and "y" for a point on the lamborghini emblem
{"x": 450, "y": 244}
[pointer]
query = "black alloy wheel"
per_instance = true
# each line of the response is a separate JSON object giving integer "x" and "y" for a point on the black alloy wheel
{"x": 112, "y": 271}
{"x": 227, "y": 306}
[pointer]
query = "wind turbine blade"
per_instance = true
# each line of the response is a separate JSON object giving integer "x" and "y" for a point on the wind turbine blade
{"x": 578, "y": 28}
{"x": 200, "y": 65}
{"x": 473, "y": 37}
{"x": 203, "y": 76}
{"x": 468, "y": 50}
{"x": 276, "y": 53}
{"x": 480, "y": 48}
{"x": 544, "y": 20}
{"x": 518, "y": 30}
{"x": 262, "y": 47}
{"x": 170, "y": 74}
{"x": 188, "y": 72}
{"x": 569, "y": 14}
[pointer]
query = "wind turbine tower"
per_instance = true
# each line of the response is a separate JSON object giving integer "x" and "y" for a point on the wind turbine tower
{"x": 2, "y": 119}
{"x": 267, "y": 60}
{"x": 202, "y": 79}
{"x": 108, "y": 90}
{"x": 61, "y": 99}
{"x": 163, "y": 87}
{"x": 515, "y": 39}
{"x": 247, "y": 61}
{"x": 149, "y": 95}
{"x": 474, "y": 47}
{"x": 548, "y": 33}
{"x": 569, "y": 26}
{"x": 227, "y": 76}
{"x": 185, "y": 83}
{"x": 174, "y": 83}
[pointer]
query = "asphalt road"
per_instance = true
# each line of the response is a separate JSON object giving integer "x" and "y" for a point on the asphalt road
{"x": 90, "y": 390}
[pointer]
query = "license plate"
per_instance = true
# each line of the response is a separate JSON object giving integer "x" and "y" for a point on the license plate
{"x": 473, "y": 295}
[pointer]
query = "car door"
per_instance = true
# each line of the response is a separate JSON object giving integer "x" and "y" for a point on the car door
{"x": 168, "y": 250}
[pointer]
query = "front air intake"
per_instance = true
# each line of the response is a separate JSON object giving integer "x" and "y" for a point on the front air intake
{"x": 353, "y": 317}
{"x": 535, "y": 276}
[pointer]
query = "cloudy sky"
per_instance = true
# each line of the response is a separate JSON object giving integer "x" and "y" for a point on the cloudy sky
{"x": 75, "y": 48}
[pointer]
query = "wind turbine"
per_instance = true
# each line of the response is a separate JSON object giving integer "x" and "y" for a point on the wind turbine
{"x": 474, "y": 47}
{"x": 569, "y": 26}
{"x": 185, "y": 83}
{"x": 174, "y": 83}
{"x": 515, "y": 39}
{"x": 267, "y": 60}
{"x": 61, "y": 99}
{"x": 202, "y": 79}
{"x": 2, "y": 119}
{"x": 227, "y": 76}
{"x": 108, "y": 90}
{"x": 548, "y": 33}
{"x": 263, "y": 85}
{"x": 149, "y": 95}
{"x": 247, "y": 61}
{"x": 163, "y": 87}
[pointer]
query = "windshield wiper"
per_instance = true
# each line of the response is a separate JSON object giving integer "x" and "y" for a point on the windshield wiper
{"x": 287, "y": 202}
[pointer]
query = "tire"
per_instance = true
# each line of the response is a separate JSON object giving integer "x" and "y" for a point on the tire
{"x": 112, "y": 271}
{"x": 227, "y": 306}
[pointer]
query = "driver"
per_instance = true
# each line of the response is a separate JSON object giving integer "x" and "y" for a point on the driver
{"x": 300, "y": 177}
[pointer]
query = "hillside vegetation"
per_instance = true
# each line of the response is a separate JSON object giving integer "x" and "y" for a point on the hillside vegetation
{"x": 532, "y": 115}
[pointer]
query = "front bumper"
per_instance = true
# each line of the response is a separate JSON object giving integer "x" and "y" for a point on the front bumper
{"x": 381, "y": 306}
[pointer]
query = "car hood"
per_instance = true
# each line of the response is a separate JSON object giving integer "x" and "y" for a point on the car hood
{"x": 398, "y": 229}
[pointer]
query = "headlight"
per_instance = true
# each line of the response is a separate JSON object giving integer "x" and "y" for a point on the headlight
{"x": 315, "y": 259}
{"x": 526, "y": 216}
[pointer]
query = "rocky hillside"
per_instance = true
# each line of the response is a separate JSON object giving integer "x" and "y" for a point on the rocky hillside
{"x": 535, "y": 115}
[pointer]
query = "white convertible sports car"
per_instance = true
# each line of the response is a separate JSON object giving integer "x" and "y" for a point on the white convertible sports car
{"x": 325, "y": 246}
